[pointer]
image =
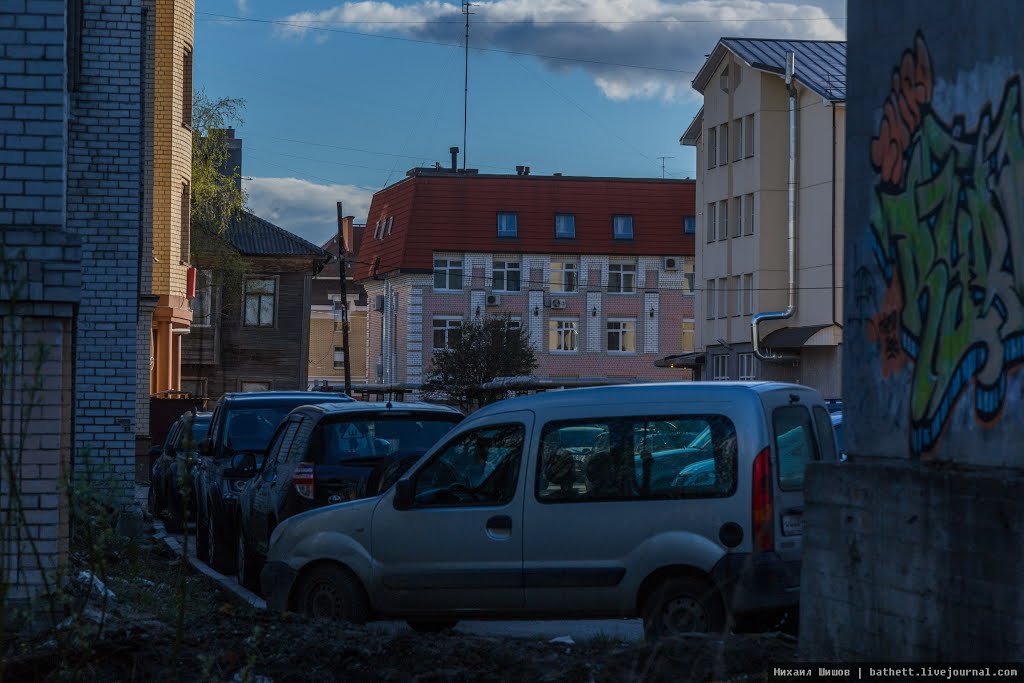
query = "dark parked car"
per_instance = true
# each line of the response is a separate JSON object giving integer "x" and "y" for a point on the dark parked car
{"x": 242, "y": 425}
{"x": 327, "y": 454}
{"x": 165, "y": 483}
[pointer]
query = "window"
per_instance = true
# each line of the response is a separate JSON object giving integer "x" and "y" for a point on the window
{"x": 723, "y": 297}
{"x": 750, "y": 291}
{"x": 723, "y": 219}
{"x": 622, "y": 227}
{"x": 260, "y": 295}
{"x": 186, "y": 228}
{"x": 636, "y": 458}
{"x": 737, "y": 136}
{"x": 689, "y": 225}
{"x": 565, "y": 225}
{"x": 795, "y": 445}
{"x": 564, "y": 276}
{"x": 621, "y": 336}
{"x": 186, "y": 88}
{"x": 477, "y": 468}
{"x": 339, "y": 358}
{"x": 743, "y": 296}
{"x": 737, "y": 296}
{"x": 711, "y": 218}
{"x": 196, "y": 387}
{"x": 562, "y": 336}
{"x": 720, "y": 367}
{"x": 505, "y": 276}
{"x": 688, "y": 276}
{"x": 621, "y": 278}
{"x": 712, "y": 149}
{"x": 507, "y": 224}
{"x": 823, "y": 421}
{"x": 377, "y": 435}
{"x": 254, "y": 386}
{"x": 746, "y": 371}
{"x": 748, "y": 136}
{"x": 686, "y": 336}
{"x": 749, "y": 214}
{"x": 447, "y": 274}
{"x": 723, "y": 144}
{"x": 711, "y": 300}
{"x": 447, "y": 332}
{"x": 737, "y": 216}
{"x": 391, "y": 224}
{"x": 202, "y": 305}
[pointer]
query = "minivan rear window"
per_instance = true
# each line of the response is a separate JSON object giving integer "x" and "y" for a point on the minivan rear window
{"x": 637, "y": 458}
{"x": 795, "y": 445}
{"x": 378, "y": 436}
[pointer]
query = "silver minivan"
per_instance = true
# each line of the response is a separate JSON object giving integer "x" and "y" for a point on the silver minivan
{"x": 681, "y": 503}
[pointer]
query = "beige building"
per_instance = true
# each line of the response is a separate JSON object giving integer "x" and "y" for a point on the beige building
{"x": 746, "y": 203}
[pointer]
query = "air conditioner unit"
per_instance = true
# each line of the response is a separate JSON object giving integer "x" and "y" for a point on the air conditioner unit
{"x": 671, "y": 263}
{"x": 493, "y": 300}
{"x": 378, "y": 302}
{"x": 558, "y": 303}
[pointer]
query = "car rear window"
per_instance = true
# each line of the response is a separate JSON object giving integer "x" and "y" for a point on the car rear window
{"x": 389, "y": 436}
{"x": 795, "y": 445}
{"x": 636, "y": 458}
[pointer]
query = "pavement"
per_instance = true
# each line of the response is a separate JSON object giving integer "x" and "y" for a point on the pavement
{"x": 577, "y": 630}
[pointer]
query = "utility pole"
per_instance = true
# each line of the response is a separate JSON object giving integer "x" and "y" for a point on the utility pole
{"x": 465, "y": 96}
{"x": 344, "y": 302}
{"x": 663, "y": 165}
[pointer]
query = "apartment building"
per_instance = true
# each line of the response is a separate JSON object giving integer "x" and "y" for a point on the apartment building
{"x": 746, "y": 203}
{"x": 598, "y": 270}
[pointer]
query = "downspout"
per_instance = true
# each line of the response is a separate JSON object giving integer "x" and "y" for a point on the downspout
{"x": 756, "y": 321}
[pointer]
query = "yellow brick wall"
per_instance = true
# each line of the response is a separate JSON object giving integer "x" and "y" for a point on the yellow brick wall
{"x": 322, "y": 340}
{"x": 172, "y": 141}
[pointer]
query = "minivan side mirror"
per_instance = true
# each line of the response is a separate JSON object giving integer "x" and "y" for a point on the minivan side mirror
{"x": 405, "y": 494}
{"x": 244, "y": 462}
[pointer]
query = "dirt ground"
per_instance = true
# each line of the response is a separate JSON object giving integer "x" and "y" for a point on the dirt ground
{"x": 225, "y": 640}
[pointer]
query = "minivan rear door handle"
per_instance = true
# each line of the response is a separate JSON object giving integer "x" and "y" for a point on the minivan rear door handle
{"x": 499, "y": 527}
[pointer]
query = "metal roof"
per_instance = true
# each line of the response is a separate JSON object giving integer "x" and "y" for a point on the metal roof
{"x": 820, "y": 64}
{"x": 254, "y": 236}
{"x": 791, "y": 337}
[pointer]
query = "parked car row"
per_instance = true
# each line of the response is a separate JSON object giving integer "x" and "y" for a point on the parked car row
{"x": 678, "y": 503}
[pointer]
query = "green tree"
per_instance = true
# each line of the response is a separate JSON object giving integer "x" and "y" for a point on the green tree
{"x": 217, "y": 197}
{"x": 482, "y": 351}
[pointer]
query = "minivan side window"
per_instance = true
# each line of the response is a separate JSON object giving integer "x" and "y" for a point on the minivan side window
{"x": 823, "y": 421}
{"x": 795, "y": 445}
{"x": 637, "y": 458}
{"x": 480, "y": 467}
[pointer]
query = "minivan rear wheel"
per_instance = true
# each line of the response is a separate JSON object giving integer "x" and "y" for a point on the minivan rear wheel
{"x": 330, "y": 592}
{"x": 683, "y": 605}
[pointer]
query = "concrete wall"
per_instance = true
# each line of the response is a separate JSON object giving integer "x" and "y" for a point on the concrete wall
{"x": 912, "y": 549}
{"x": 104, "y": 180}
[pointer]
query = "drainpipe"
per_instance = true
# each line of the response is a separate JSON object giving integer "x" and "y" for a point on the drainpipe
{"x": 756, "y": 321}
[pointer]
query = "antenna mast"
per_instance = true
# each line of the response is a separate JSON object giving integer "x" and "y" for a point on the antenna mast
{"x": 465, "y": 98}
{"x": 663, "y": 165}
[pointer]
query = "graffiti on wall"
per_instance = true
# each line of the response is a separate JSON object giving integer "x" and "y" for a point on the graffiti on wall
{"x": 947, "y": 224}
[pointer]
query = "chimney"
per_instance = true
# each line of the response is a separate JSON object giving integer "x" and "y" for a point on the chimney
{"x": 347, "y": 227}
{"x": 519, "y": 170}
{"x": 454, "y": 151}
{"x": 526, "y": 170}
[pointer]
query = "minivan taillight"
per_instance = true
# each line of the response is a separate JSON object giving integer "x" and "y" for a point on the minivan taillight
{"x": 304, "y": 479}
{"x": 761, "y": 503}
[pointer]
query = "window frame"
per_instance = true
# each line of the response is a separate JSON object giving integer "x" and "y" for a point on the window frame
{"x": 723, "y": 220}
{"x": 622, "y": 333}
{"x": 720, "y": 367}
{"x": 564, "y": 267}
{"x": 507, "y": 267}
{"x": 748, "y": 136}
{"x": 186, "y": 86}
{"x": 688, "y": 326}
{"x": 711, "y": 219}
{"x": 689, "y": 225}
{"x": 623, "y": 220}
{"x": 689, "y": 276}
{"x": 748, "y": 229}
{"x": 561, "y": 329}
{"x": 749, "y": 373}
{"x": 737, "y": 298}
{"x": 446, "y": 329}
{"x": 503, "y": 229}
{"x": 562, "y": 234}
{"x": 260, "y": 325}
{"x": 737, "y": 148}
{"x": 623, "y": 270}
{"x": 339, "y": 365}
{"x": 447, "y": 271}
{"x": 737, "y": 218}
{"x": 711, "y": 148}
{"x": 204, "y": 293}
{"x": 185, "y": 235}
{"x": 709, "y": 298}
{"x": 815, "y": 451}
{"x": 723, "y": 144}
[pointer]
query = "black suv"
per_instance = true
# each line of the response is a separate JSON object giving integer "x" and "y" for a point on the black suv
{"x": 242, "y": 426}
{"x": 327, "y": 454}
{"x": 165, "y": 482}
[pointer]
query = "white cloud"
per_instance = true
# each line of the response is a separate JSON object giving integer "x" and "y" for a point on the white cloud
{"x": 307, "y": 209}
{"x": 601, "y": 33}
{"x": 243, "y": 6}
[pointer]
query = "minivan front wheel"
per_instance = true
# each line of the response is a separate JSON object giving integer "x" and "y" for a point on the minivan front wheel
{"x": 683, "y": 605}
{"x": 330, "y": 592}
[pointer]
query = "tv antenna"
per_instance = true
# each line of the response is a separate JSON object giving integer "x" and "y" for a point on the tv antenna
{"x": 663, "y": 165}
{"x": 465, "y": 98}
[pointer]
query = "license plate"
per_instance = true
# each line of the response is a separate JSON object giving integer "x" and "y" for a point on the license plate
{"x": 792, "y": 525}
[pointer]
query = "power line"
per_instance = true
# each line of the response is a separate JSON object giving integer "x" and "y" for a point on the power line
{"x": 539, "y": 22}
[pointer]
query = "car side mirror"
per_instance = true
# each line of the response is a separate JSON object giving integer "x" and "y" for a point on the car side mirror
{"x": 244, "y": 462}
{"x": 405, "y": 493}
{"x": 203, "y": 447}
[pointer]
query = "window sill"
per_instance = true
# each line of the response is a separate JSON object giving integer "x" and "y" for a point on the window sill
{"x": 449, "y": 291}
{"x": 562, "y": 353}
{"x": 508, "y": 238}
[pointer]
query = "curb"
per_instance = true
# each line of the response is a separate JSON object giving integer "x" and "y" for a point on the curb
{"x": 225, "y": 582}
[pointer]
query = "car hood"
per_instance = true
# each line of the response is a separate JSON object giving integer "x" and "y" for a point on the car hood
{"x": 350, "y": 518}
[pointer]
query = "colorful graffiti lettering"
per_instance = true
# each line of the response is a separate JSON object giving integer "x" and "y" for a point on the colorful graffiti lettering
{"x": 948, "y": 224}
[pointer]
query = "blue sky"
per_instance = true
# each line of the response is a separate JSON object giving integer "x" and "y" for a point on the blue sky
{"x": 344, "y": 98}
